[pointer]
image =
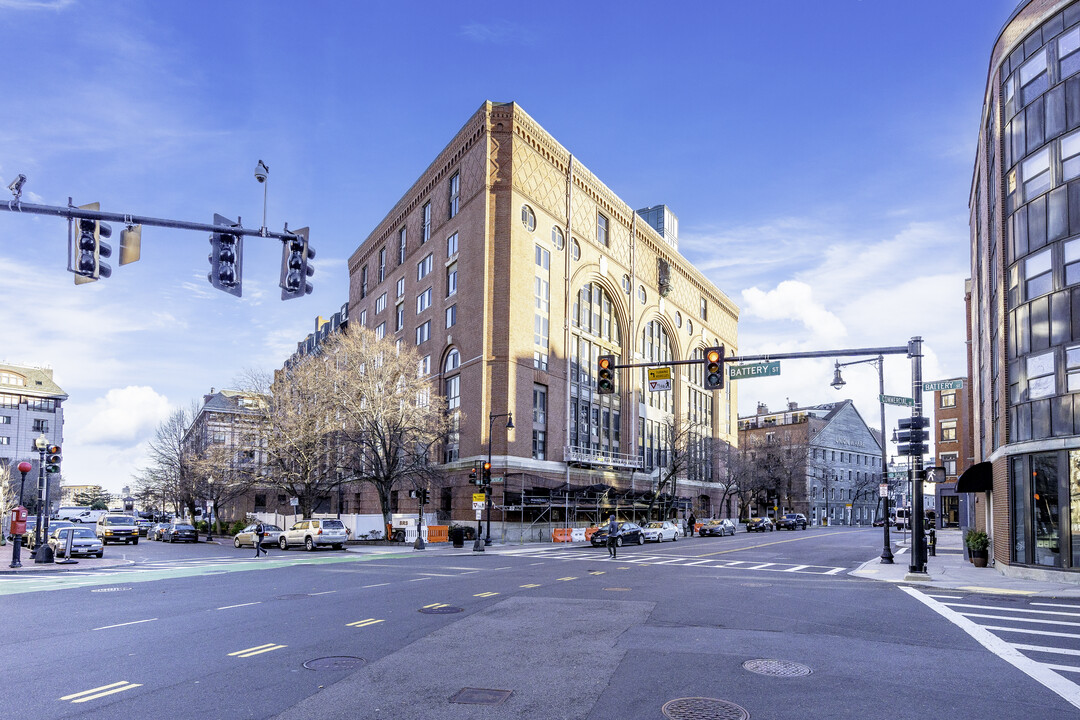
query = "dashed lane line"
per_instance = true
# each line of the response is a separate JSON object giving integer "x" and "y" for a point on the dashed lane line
{"x": 133, "y": 622}
{"x": 95, "y": 693}
{"x": 257, "y": 650}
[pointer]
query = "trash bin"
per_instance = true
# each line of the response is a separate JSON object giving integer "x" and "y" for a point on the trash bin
{"x": 457, "y": 536}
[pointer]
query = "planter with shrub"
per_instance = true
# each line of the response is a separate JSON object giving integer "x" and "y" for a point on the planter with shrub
{"x": 978, "y": 544}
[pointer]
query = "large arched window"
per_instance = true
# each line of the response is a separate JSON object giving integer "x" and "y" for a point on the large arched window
{"x": 452, "y": 390}
{"x": 594, "y": 419}
{"x": 699, "y": 413}
{"x": 656, "y": 424}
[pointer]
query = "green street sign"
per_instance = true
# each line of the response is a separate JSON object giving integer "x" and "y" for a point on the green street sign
{"x": 896, "y": 400}
{"x": 752, "y": 370}
{"x": 898, "y": 475}
{"x": 943, "y": 385}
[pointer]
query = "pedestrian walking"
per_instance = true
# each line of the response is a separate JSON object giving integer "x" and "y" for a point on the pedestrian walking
{"x": 259, "y": 531}
{"x": 690, "y": 522}
{"x": 612, "y": 535}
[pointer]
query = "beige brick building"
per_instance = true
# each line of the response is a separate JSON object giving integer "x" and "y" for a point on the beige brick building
{"x": 509, "y": 267}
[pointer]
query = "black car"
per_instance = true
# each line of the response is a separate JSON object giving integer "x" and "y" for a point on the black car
{"x": 179, "y": 532}
{"x": 719, "y": 527}
{"x": 792, "y": 521}
{"x": 759, "y": 524}
{"x": 628, "y": 533}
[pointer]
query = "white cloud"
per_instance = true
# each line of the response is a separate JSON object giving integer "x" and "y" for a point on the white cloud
{"x": 124, "y": 417}
{"x": 792, "y": 300}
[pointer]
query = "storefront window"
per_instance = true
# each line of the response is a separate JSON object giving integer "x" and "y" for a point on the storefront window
{"x": 1074, "y": 504}
{"x": 1019, "y": 516}
{"x": 1044, "y": 477}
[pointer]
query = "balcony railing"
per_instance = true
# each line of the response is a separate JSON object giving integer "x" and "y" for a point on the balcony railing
{"x": 588, "y": 456}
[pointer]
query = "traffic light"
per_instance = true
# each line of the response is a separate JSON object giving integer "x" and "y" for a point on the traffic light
{"x": 425, "y": 497}
{"x": 714, "y": 368}
{"x": 605, "y": 375}
{"x": 296, "y": 268}
{"x": 911, "y": 436}
{"x": 487, "y": 474}
{"x": 90, "y": 249}
{"x": 52, "y": 460}
{"x": 472, "y": 477}
{"x": 226, "y": 258}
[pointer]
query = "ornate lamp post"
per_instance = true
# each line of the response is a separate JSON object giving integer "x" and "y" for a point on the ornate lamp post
{"x": 16, "y": 560}
{"x": 509, "y": 426}
{"x": 838, "y": 382}
{"x": 41, "y": 444}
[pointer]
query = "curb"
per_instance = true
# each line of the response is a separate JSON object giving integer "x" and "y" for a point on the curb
{"x": 51, "y": 570}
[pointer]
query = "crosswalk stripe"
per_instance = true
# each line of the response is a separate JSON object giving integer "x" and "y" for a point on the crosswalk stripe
{"x": 1019, "y": 619}
{"x": 1017, "y": 610}
{"x": 1029, "y": 631}
{"x": 1066, "y": 668}
{"x": 796, "y": 568}
{"x": 1046, "y": 649}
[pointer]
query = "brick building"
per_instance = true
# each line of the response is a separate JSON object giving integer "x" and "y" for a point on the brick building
{"x": 951, "y": 434}
{"x": 510, "y": 267}
{"x": 1024, "y": 294}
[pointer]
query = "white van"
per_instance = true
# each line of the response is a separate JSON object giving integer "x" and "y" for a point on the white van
{"x": 88, "y": 516}
{"x": 903, "y": 518}
{"x": 70, "y": 512}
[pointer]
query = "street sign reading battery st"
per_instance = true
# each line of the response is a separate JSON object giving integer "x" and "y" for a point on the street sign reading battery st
{"x": 753, "y": 370}
{"x": 896, "y": 400}
{"x": 943, "y": 385}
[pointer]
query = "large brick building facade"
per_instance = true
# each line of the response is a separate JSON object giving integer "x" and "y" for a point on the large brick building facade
{"x": 510, "y": 267}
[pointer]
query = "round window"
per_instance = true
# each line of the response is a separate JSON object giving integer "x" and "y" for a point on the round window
{"x": 557, "y": 237}
{"x": 528, "y": 218}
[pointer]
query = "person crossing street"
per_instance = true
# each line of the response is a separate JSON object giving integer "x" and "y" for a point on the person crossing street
{"x": 259, "y": 532}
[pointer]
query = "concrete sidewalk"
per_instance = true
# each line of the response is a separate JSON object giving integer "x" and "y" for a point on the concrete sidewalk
{"x": 950, "y": 570}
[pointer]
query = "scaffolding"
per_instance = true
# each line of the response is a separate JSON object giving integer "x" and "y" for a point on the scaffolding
{"x": 539, "y": 505}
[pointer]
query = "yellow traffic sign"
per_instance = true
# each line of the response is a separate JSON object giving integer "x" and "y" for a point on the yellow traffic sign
{"x": 660, "y": 373}
{"x": 479, "y": 497}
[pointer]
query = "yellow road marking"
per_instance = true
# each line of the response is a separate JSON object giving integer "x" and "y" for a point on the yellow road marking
{"x": 257, "y": 650}
{"x": 597, "y": 572}
{"x": 565, "y": 578}
{"x": 530, "y": 585}
{"x": 364, "y": 623}
{"x": 434, "y": 605}
{"x": 996, "y": 591}
{"x": 101, "y": 691}
{"x": 486, "y": 594}
{"x": 775, "y": 542}
{"x": 618, "y": 589}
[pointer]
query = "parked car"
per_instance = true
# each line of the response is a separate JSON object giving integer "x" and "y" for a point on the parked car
{"x": 157, "y": 530}
{"x": 246, "y": 537}
{"x": 117, "y": 528}
{"x": 717, "y": 526}
{"x": 660, "y": 531}
{"x": 879, "y": 522}
{"x": 759, "y": 524}
{"x": 628, "y": 533}
{"x": 30, "y": 538}
{"x": 314, "y": 533}
{"x": 792, "y": 521}
{"x": 179, "y": 532}
{"x": 83, "y": 541}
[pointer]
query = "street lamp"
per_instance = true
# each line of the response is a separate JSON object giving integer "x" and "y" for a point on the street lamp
{"x": 838, "y": 382}
{"x": 16, "y": 560}
{"x": 42, "y": 444}
{"x": 491, "y": 424}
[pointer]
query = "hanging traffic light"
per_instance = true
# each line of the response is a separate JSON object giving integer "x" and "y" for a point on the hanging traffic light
{"x": 425, "y": 497}
{"x": 487, "y": 474}
{"x": 714, "y": 368}
{"x": 52, "y": 460}
{"x": 296, "y": 268}
{"x": 226, "y": 258}
{"x": 472, "y": 477}
{"x": 605, "y": 375}
{"x": 89, "y": 249}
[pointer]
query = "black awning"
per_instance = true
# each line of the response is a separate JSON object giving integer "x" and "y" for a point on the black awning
{"x": 977, "y": 478}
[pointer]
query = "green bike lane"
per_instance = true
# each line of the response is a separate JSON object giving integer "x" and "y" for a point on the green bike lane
{"x": 28, "y": 583}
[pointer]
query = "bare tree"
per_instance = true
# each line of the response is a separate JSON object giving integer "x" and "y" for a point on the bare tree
{"x": 777, "y": 467}
{"x": 675, "y": 458}
{"x": 736, "y": 470}
{"x": 173, "y": 463}
{"x": 392, "y": 419}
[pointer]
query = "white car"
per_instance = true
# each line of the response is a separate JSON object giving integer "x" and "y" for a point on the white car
{"x": 662, "y": 530}
{"x": 83, "y": 542}
{"x": 312, "y": 533}
{"x": 246, "y": 537}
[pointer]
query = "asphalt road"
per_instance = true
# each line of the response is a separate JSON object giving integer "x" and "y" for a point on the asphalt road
{"x": 205, "y": 631}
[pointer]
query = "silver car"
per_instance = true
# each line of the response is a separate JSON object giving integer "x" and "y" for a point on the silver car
{"x": 246, "y": 537}
{"x": 83, "y": 542}
{"x": 314, "y": 533}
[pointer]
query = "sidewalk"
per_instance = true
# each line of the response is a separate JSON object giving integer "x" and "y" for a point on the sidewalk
{"x": 950, "y": 570}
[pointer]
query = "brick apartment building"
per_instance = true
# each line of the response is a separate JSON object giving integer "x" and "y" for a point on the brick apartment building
{"x": 510, "y": 267}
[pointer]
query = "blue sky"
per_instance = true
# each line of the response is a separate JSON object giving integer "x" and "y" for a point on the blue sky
{"x": 818, "y": 154}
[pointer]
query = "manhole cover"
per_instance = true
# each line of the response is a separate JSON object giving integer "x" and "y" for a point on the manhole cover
{"x": 111, "y": 589}
{"x": 339, "y": 662}
{"x": 777, "y": 668}
{"x": 480, "y": 696}
{"x": 703, "y": 709}
{"x": 446, "y": 610}
{"x": 292, "y": 596}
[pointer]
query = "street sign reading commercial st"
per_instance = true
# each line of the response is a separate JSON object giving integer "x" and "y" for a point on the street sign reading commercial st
{"x": 896, "y": 400}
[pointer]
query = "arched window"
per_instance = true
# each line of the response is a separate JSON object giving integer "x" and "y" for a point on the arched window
{"x": 656, "y": 424}
{"x": 452, "y": 390}
{"x": 699, "y": 413}
{"x": 594, "y": 419}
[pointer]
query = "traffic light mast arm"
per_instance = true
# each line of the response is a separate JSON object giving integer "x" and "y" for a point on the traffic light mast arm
{"x": 894, "y": 350}
{"x": 71, "y": 212}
